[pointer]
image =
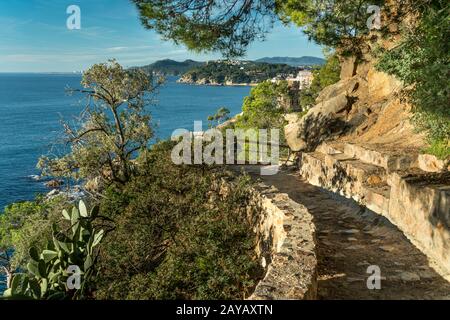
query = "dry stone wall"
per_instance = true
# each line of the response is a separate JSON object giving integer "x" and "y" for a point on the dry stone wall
{"x": 286, "y": 246}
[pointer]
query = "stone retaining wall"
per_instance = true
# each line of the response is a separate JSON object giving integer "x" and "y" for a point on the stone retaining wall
{"x": 417, "y": 202}
{"x": 286, "y": 246}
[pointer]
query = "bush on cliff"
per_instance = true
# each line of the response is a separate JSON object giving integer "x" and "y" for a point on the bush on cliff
{"x": 173, "y": 232}
{"x": 422, "y": 62}
{"x": 179, "y": 233}
{"x": 27, "y": 224}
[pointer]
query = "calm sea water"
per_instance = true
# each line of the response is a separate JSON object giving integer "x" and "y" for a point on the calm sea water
{"x": 31, "y": 106}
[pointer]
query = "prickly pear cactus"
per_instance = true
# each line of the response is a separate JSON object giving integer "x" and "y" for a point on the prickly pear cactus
{"x": 63, "y": 268}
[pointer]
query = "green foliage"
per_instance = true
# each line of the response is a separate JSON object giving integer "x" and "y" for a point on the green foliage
{"x": 422, "y": 62}
{"x": 178, "y": 234}
{"x": 48, "y": 271}
{"x": 220, "y": 72}
{"x": 169, "y": 67}
{"x": 261, "y": 108}
{"x": 221, "y": 115}
{"x": 226, "y": 26}
{"x": 333, "y": 23}
{"x": 230, "y": 26}
{"x": 327, "y": 75}
{"x": 114, "y": 126}
{"x": 27, "y": 224}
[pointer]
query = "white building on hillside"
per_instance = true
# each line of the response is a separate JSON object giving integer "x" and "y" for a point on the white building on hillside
{"x": 304, "y": 78}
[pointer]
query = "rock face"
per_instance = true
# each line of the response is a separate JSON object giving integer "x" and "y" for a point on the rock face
{"x": 325, "y": 120}
{"x": 348, "y": 67}
{"x": 353, "y": 105}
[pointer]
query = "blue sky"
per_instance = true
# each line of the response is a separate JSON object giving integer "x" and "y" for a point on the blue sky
{"x": 34, "y": 37}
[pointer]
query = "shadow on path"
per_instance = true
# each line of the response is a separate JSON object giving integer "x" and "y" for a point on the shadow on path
{"x": 351, "y": 238}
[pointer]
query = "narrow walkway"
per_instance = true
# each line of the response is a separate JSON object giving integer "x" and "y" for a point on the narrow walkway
{"x": 350, "y": 239}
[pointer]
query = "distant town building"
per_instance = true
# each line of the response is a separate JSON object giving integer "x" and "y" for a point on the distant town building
{"x": 296, "y": 83}
{"x": 304, "y": 79}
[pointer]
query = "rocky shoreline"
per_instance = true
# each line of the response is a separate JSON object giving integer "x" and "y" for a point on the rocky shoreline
{"x": 209, "y": 82}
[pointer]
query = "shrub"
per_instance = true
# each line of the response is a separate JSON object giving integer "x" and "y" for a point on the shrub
{"x": 177, "y": 234}
{"x": 27, "y": 224}
{"x": 422, "y": 62}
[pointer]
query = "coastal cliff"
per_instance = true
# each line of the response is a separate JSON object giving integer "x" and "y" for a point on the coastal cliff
{"x": 191, "y": 79}
{"x": 236, "y": 73}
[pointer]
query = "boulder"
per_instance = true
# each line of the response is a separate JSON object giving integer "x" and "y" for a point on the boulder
{"x": 348, "y": 67}
{"x": 430, "y": 163}
{"x": 321, "y": 122}
{"x": 381, "y": 85}
{"x": 331, "y": 106}
{"x": 292, "y": 117}
{"x": 54, "y": 184}
{"x": 292, "y": 134}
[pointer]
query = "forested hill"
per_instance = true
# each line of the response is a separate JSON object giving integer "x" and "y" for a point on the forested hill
{"x": 171, "y": 67}
{"x": 236, "y": 72}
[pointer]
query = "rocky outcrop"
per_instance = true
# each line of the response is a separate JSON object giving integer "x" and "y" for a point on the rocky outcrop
{"x": 353, "y": 105}
{"x": 286, "y": 246}
{"x": 325, "y": 120}
{"x": 189, "y": 79}
{"x": 54, "y": 184}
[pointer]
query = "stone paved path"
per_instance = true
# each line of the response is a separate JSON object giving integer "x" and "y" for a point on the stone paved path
{"x": 350, "y": 239}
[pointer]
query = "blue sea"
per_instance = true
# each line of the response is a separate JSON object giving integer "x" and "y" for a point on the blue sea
{"x": 31, "y": 106}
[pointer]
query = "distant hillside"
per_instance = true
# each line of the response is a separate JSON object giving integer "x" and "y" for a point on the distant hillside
{"x": 236, "y": 72}
{"x": 302, "y": 61}
{"x": 171, "y": 67}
